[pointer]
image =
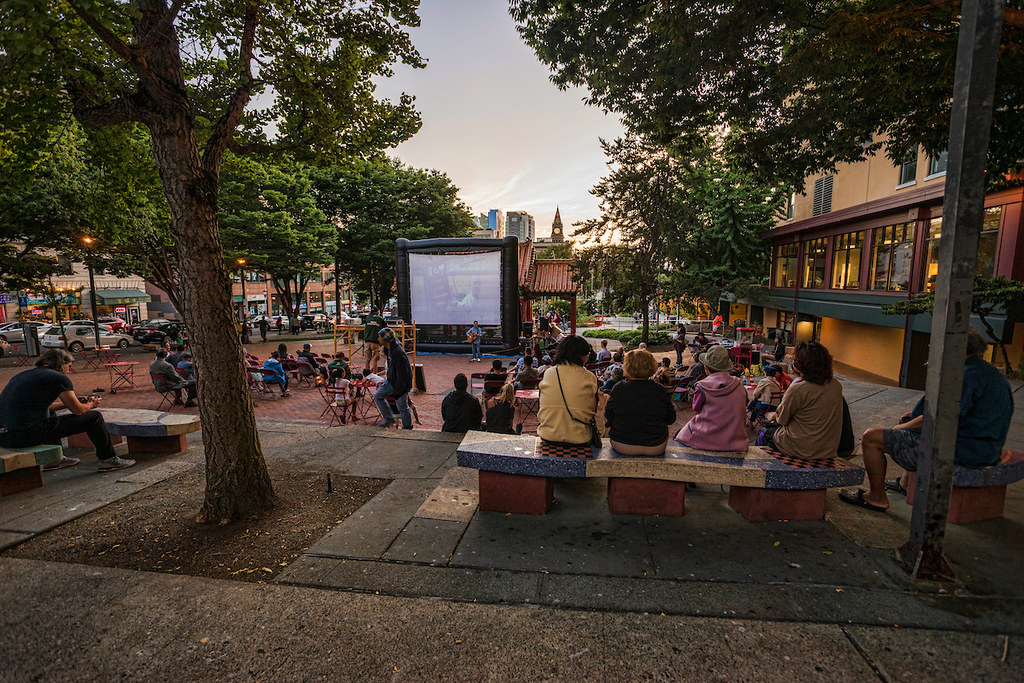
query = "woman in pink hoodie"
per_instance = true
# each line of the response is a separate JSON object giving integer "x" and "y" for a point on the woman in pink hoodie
{"x": 720, "y": 402}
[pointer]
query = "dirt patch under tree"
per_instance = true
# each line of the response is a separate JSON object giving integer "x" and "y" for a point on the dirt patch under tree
{"x": 156, "y": 529}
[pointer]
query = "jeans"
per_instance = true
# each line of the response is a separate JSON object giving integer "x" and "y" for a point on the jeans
{"x": 476, "y": 349}
{"x": 679, "y": 357}
{"x": 51, "y": 429}
{"x": 380, "y": 398}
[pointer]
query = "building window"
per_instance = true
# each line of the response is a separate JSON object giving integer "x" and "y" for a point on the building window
{"x": 814, "y": 263}
{"x": 786, "y": 263}
{"x": 908, "y": 169}
{"x": 988, "y": 241}
{"x": 785, "y": 322}
{"x": 892, "y": 248}
{"x": 846, "y": 251}
{"x": 789, "y": 206}
{"x": 937, "y": 164}
{"x": 822, "y": 195}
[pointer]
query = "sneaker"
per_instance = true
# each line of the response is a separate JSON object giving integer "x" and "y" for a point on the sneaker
{"x": 115, "y": 463}
{"x": 63, "y": 462}
{"x": 386, "y": 423}
{"x": 285, "y": 393}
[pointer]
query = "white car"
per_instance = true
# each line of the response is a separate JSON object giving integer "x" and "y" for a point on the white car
{"x": 77, "y": 337}
{"x": 15, "y": 333}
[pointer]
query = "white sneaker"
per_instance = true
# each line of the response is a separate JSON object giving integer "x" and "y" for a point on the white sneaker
{"x": 115, "y": 463}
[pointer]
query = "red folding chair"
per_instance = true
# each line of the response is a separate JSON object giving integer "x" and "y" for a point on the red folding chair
{"x": 270, "y": 378}
{"x": 170, "y": 396}
{"x": 306, "y": 375}
{"x": 339, "y": 404}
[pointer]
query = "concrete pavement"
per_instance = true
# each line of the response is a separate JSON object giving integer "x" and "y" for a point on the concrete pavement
{"x": 420, "y": 584}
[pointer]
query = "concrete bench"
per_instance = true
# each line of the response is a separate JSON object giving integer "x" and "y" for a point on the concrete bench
{"x": 979, "y": 493}
{"x": 21, "y": 469}
{"x": 515, "y": 476}
{"x": 147, "y": 431}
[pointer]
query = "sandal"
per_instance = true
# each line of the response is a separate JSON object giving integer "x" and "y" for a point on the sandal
{"x": 858, "y": 500}
{"x": 895, "y": 486}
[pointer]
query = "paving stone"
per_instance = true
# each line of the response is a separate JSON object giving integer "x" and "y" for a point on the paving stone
{"x": 426, "y": 541}
{"x": 48, "y": 517}
{"x": 400, "y": 459}
{"x": 370, "y": 530}
{"x": 9, "y": 539}
{"x": 454, "y": 499}
{"x": 917, "y": 655}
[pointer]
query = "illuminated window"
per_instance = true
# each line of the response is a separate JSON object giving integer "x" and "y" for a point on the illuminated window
{"x": 892, "y": 248}
{"x": 786, "y": 261}
{"x": 846, "y": 251}
{"x": 814, "y": 263}
{"x": 987, "y": 243}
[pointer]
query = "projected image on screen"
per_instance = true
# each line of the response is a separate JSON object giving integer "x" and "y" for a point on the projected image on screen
{"x": 455, "y": 289}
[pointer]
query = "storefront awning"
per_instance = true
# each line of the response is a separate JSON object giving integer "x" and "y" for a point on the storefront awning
{"x": 112, "y": 297}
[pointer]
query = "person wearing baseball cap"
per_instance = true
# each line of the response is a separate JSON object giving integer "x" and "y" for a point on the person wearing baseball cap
{"x": 398, "y": 383}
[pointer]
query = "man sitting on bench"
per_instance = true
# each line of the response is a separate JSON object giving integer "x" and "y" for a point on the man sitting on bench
{"x": 29, "y": 400}
{"x": 170, "y": 380}
{"x": 986, "y": 406}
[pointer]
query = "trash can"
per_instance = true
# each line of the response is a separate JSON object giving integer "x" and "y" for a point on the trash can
{"x": 31, "y": 340}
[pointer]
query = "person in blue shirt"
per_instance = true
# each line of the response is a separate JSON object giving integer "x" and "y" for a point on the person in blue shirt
{"x": 479, "y": 333}
{"x": 986, "y": 406}
{"x": 280, "y": 376}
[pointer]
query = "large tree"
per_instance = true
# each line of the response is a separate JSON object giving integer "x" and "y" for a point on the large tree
{"x": 373, "y": 205}
{"x": 205, "y": 76}
{"x": 269, "y": 218}
{"x": 642, "y": 213}
{"x": 801, "y": 84}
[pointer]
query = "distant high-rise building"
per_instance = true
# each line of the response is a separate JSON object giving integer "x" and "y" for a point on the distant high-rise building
{"x": 496, "y": 223}
{"x": 480, "y": 227}
{"x": 556, "y": 228}
{"x": 520, "y": 224}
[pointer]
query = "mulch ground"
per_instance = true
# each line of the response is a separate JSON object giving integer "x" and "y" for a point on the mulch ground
{"x": 156, "y": 529}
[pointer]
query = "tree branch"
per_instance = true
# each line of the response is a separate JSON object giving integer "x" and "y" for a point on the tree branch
{"x": 120, "y": 48}
{"x": 162, "y": 25}
{"x": 225, "y": 127}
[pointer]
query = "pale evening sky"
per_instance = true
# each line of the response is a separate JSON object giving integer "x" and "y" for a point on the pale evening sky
{"x": 494, "y": 123}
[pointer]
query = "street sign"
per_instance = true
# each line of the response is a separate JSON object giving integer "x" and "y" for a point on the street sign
{"x": 6, "y": 298}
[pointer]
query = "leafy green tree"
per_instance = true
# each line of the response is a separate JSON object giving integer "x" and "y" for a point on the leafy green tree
{"x": 560, "y": 250}
{"x": 642, "y": 211}
{"x": 802, "y": 85}
{"x": 203, "y": 78}
{"x": 268, "y": 216}
{"x": 376, "y": 204}
{"x": 991, "y": 296}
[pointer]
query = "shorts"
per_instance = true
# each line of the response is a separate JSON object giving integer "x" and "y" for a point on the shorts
{"x": 372, "y": 352}
{"x": 903, "y": 446}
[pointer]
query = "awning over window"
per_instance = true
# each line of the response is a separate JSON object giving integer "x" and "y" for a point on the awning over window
{"x": 112, "y": 297}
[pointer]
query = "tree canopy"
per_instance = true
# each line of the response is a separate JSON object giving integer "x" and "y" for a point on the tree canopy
{"x": 799, "y": 85}
{"x": 375, "y": 204}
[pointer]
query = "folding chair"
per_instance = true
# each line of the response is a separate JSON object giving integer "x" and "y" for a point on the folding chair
{"x": 492, "y": 387}
{"x": 166, "y": 394}
{"x": 339, "y": 404}
{"x": 306, "y": 375}
{"x": 270, "y": 378}
{"x": 254, "y": 378}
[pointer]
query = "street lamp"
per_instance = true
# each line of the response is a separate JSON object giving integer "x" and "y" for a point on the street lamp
{"x": 89, "y": 241}
{"x": 242, "y": 312}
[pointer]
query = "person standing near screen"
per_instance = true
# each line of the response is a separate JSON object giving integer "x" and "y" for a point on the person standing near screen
{"x": 474, "y": 335}
{"x": 372, "y": 327}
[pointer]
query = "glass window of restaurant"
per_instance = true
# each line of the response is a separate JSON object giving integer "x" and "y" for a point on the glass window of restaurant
{"x": 988, "y": 242}
{"x": 892, "y": 250}
{"x": 846, "y": 251}
{"x": 786, "y": 260}
{"x": 814, "y": 263}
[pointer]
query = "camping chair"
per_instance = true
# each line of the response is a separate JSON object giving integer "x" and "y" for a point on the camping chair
{"x": 168, "y": 395}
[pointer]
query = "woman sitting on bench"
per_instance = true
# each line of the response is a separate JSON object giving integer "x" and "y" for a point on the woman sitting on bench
{"x": 720, "y": 402}
{"x": 568, "y": 396}
{"x": 639, "y": 411}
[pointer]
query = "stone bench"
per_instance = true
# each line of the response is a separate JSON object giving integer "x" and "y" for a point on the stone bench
{"x": 147, "y": 431}
{"x": 979, "y": 493}
{"x": 763, "y": 486}
{"x": 21, "y": 469}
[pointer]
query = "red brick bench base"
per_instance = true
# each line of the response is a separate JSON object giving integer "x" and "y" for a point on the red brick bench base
{"x": 774, "y": 505}
{"x": 978, "y": 502}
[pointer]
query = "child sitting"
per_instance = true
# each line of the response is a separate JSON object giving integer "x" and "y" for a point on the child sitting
{"x": 761, "y": 401}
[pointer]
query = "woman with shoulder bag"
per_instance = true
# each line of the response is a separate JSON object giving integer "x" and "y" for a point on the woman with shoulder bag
{"x": 568, "y": 397}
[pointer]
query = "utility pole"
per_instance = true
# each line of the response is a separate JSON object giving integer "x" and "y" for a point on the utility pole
{"x": 964, "y": 200}
{"x": 92, "y": 289}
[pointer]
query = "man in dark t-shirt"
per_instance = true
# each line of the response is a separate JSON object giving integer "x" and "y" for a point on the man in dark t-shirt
{"x": 26, "y": 412}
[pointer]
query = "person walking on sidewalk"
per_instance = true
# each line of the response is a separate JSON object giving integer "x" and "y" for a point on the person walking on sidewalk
{"x": 398, "y": 383}
{"x": 28, "y": 403}
{"x": 264, "y": 328}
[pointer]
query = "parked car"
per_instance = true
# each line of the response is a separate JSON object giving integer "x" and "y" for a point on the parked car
{"x": 116, "y": 324}
{"x": 152, "y": 322}
{"x": 15, "y": 333}
{"x": 77, "y": 337}
{"x": 159, "y": 333}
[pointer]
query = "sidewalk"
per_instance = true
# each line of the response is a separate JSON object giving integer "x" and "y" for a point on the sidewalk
{"x": 420, "y": 584}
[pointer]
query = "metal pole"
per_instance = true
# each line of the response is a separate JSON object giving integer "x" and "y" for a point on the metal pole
{"x": 973, "y": 93}
{"x": 92, "y": 304}
{"x": 243, "y": 309}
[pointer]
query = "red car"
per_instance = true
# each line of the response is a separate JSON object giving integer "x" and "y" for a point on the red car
{"x": 115, "y": 324}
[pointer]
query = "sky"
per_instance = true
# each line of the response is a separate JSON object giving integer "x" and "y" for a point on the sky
{"x": 494, "y": 122}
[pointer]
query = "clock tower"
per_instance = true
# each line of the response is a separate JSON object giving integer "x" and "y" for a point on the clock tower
{"x": 556, "y": 228}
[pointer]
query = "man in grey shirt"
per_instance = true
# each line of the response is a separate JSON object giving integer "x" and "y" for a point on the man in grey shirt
{"x": 165, "y": 378}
